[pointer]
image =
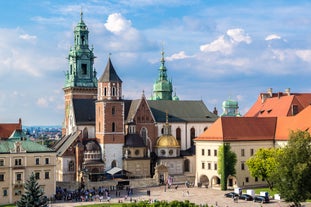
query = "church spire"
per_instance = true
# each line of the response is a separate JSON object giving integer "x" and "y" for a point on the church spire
{"x": 162, "y": 88}
{"x": 81, "y": 72}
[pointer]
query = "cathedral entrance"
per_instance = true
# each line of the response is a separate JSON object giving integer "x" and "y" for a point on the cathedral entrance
{"x": 161, "y": 174}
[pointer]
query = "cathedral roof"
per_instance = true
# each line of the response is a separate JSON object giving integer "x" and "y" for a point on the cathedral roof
{"x": 181, "y": 111}
{"x": 84, "y": 110}
{"x": 109, "y": 74}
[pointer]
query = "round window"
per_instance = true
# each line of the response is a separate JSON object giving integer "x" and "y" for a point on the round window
{"x": 162, "y": 152}
{"x": 136, "y": 152}
{"x": 170, "y": 152}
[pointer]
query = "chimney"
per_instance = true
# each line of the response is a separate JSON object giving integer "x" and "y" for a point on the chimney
{"x": 270, "y": 92}
{"x": 287, "y": 91}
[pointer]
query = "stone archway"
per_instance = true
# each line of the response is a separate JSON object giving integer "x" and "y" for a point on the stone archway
{"x": 215, "y": 182}
{"x": 161, "y": 174}
{"x": 204, "y": 181}
{"x": 231, "y": 182}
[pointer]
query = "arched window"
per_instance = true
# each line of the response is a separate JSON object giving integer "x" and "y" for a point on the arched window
{"x": 85, "y": 133}
{"x": 113, "y": 111}
{"x": 71, "y": 166}
{"x": 143, "y": 133}
{"x": 187, "y": 165}
{"x": 178, "y": 134}
{"x": 113, "y": 91}
{"x": 113, "y": 128}
{"x": 105, "y": 91}
{"x": 113, "y": 164}
{"x": 192, "y": 135}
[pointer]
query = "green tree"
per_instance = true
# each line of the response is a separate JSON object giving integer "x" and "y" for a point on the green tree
{"x": 293, "y": 177}
{"x": 226, "y": 164}
{"x": 33, "y": 196}
{"x": 263, "y": 164}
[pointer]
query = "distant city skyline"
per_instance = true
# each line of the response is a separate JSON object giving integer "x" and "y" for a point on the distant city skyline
{"x": 214, "y": 50}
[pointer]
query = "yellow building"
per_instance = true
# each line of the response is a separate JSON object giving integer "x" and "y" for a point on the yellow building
{"x": 19, "y": 157}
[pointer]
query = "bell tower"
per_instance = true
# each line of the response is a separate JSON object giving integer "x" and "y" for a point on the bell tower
{"x": 110, "y": 117}
{"x": 80, "y": 77}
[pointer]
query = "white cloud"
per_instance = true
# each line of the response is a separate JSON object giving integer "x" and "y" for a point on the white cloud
{"x": 304, "y": 55}
{"x": 238, "y": 35}
{"x": 177, "y": 56}
{"x": 218, "y": 45}
{"x": 27, "y": 37}
{"x": 225, "y": 43}
{"x": 117, "y": 24}
{"x": 273, "y": 37}
{"x": 42, "y": 102}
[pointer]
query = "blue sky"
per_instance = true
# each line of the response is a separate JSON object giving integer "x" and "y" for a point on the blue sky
{"x": 214, "y": 50}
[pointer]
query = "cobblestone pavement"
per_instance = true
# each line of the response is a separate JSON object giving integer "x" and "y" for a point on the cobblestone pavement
{"x": 212, "y": 197}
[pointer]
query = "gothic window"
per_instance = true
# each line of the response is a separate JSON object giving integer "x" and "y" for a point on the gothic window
{"x": 113, "y": 127}
{"x": 84, "y": 69}
{"x": 85, "y": 133}
{"x": 143, "y": 134}
{"x": 113, "y": 164}
{"x": 113, "y": 91}
{"x": 71, "y": 166}
{"x": 178, "y": 134}
{"x": 192, "y": 135}
{"x": 105, "y": 91}
{"x": 187, "y": 165}
{"x": 113, "y": 111}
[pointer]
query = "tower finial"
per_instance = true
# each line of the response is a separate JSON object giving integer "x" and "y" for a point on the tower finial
{"x": 81, "y": 15}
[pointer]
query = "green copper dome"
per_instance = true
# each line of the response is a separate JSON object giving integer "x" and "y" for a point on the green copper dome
{"x": 230, "y": 108}
{"x": 162, "y": 88}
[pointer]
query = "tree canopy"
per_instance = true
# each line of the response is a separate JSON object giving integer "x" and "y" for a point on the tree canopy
{"x": 33, "y": 195}
{"x": 226, "y": 164}
{"x": 263, "y": 164}
{"x": 293, "y": 178}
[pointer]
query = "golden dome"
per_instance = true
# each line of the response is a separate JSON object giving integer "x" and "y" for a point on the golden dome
{"x": 167, "y": 141}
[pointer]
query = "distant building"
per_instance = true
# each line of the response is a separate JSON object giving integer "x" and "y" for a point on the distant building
{"x": 19, "y": 157}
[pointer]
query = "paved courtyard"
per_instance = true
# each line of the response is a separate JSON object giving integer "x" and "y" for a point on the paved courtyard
{"x": 195, "y": 195}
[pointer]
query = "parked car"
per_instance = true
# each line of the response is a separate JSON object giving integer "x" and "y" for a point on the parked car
{"x": 261, "y": 199}
{"x": 231, "y": 195}
{"x": 246, "y": 197}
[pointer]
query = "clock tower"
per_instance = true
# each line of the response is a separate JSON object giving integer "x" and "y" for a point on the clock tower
{"x": 80, "y": 81}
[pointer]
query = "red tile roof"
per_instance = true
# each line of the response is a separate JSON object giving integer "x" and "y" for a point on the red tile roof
{"x": 278, "y": 104}
{"x": 240, "y": 129}
{"x": 257, "y": 128}
{"x": 6, "y": 129}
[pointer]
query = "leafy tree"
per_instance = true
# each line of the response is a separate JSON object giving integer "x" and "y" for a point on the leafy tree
{"x": 293, "y": 177}
{"x": 263, "y": 164}
{"x": 33, "y": 195}
{"x": 226, "y": 164}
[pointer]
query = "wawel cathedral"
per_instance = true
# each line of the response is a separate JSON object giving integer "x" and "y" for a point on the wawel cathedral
{"x": 144, "y": 137}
